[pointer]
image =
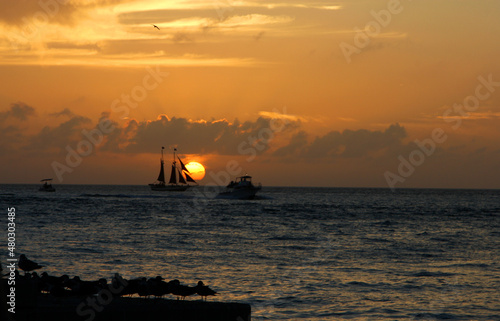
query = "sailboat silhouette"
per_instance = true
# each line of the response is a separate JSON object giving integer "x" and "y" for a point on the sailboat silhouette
{"x": 179, "y": 177}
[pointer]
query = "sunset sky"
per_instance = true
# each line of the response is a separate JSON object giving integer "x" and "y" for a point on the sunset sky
{"x": 296, "y": 93}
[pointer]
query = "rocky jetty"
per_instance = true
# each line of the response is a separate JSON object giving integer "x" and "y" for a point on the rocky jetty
{"x": 40, "y": 297}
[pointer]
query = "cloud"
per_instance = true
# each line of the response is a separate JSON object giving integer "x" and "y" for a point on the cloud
{"x": 37, "y": 12}
{"x": 358, "y": 156}
{"x": 229, "y": 138}
{"x": 23, "y": 12}
{"x": 254, "y": 20}
{"x": 182, "y": 37}
{"x": 12, "y": 137}
{"x": 196, "y": 20}
{"x": 63, "y": 113}
{"x": 259, "y": 35}
{"x": 85, "y": 47}
{"x": 195, "y": 137}
{"x": 205, "y": 17}
{"x": 320, "y": 5}
{"x": 60, "y": 136}
{"x": 18, "y": 110}
{"x": 210, "y": 137}
{"x": 473, "y": 116}
{"x": 347, "y": 119}
{"x": 283, "y": 116}
{"x": 112, "y": 33}
{"x": 297, "y": 143}
{"x": 349, "y": 143}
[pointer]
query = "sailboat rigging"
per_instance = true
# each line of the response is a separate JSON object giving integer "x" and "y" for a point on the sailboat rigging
{"x": 179, "y": 176}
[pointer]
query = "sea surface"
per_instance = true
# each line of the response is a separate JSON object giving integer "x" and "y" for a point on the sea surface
{"x": 293, "y": 254}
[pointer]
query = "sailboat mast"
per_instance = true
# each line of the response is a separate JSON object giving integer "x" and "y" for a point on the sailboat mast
{"x": 161, "y": 176}
{"x": 173, "y": 176}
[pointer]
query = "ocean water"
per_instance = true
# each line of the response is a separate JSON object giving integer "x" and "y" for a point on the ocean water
{"x": 292, "y": 254}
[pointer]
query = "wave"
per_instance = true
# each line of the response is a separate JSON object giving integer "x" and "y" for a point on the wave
{"x": 97, "y": 195}
{"x": 472, "y": 265}
{"x": 84, "y": 250}
{"x": 366, "y": 285}
{"x": 436, "y": 316}
{"x": 105, "y": 195}
{"x": 385, "y": 223}
{"x": 117, "y": 261}
{"x": 374, "y": 239}
{"x": 432, "y": 274}
{"x": 262, "y": 197}
{"x": 291, "y": 238}
{"x": 271, "y": 209}
{"x": 382, "y": 311}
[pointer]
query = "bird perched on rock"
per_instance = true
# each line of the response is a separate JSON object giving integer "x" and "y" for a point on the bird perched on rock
{"x": 121, "y": 286}
{"x": 80, "y": 287}
{"x": 27, "y": 265}
{"x": 158, "y": 287}
{"x": 48, "y": 282}
{"x": 203, "y": 290}
{"x": 181, "y": 290}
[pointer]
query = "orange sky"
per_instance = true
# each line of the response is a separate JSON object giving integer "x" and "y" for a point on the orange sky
{"x": 316, "y": 93}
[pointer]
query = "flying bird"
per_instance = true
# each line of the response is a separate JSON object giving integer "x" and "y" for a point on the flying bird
{"x": 156, "y": 27}
{"x": 27, "y": 265}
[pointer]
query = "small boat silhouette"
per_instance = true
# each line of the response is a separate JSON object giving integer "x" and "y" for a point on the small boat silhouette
{"x": 241, "y": 189}
{"x": 47, "y": 186}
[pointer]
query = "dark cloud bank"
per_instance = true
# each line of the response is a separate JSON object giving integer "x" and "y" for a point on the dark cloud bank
{"x": 204, "y": 137}
{"x": 361, "y": 155}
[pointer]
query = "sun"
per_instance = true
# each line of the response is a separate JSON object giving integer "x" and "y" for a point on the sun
{"x": 196, "y": 170}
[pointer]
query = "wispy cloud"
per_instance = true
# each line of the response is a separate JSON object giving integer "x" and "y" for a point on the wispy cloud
{"x": 66, "y": 112}
{"x": 346, "y": 119}
{"x": 54, "y": 57}
{"x": 474, "y": 116}
{"x": 254, "y": 20}
{"x": 19, "y": 13}
{"x": 225, "y": 5}
{"x": 20, "y": 111}
{"x": 81, "y": 32}
{"x": 277, "y": 115}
